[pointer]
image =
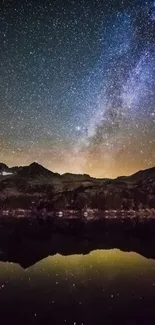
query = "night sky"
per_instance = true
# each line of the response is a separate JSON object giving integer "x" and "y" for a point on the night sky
{"x": 77, "y": 85}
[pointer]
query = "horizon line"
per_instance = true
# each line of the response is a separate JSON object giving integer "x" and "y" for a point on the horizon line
{"x": 36, "y": 162}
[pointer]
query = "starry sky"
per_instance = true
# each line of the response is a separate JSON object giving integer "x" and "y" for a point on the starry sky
{"x": 77, "y": 85}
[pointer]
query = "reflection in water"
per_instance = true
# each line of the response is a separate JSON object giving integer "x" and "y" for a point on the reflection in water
{"x": 79, "y": 289}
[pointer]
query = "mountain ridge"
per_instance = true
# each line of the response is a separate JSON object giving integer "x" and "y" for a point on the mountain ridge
{"x": 35, "y": 183}
{"x": 35, "y": 166}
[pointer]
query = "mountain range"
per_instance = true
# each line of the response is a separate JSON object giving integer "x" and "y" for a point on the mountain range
{"x": 20, "y": 186}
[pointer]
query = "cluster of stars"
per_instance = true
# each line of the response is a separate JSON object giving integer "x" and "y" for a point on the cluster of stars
{"x": 77, "y": 85}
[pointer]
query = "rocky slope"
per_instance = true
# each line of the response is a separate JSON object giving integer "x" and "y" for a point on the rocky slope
{"x": 20, "y": 186}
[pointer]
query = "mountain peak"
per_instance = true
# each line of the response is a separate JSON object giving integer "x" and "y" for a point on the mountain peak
{"x": 3, "y": 167}
{"x": 34, "y": 170}
{"x": 35, "y": 164}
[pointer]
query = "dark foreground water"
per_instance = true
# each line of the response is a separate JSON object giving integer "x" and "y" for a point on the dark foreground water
{"x": 102, "y": 287}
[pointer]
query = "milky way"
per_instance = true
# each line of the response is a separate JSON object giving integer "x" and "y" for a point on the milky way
{"x": 77, "y": 85}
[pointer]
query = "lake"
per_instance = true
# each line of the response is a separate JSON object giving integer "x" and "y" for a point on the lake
{"x": 102, "y": 287}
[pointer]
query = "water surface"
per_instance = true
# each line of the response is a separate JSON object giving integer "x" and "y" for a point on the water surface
{"x": 104, "y": 285}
